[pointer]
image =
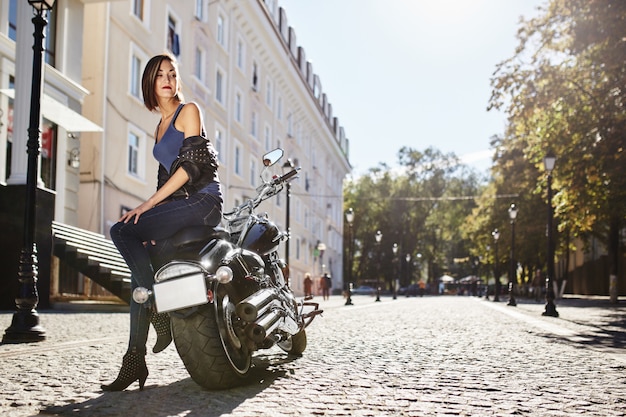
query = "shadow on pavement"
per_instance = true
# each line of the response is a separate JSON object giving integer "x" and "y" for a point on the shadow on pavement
{"x": 183, "y": 397}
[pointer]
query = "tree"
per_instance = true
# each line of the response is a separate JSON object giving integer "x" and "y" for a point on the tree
{"x": 564, "y": 90}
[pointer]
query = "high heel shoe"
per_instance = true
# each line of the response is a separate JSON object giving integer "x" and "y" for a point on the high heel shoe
{"x": 133, "y": 369}
{"x": 161, "y": 323}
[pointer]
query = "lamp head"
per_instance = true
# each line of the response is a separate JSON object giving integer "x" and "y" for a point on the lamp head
{"x": 378, "y": 236}
{"x": 513, "y": 212}
{"x": 495, "y": 234}
{"x": 548, "y": 162}
{"x": 41, "y": 5}
{"x": 350, "y": 215}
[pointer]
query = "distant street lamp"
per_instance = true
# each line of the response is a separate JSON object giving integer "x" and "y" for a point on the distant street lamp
{"x": 512, "y": 215}
{"x": 407, "y": 258}
{"x": 378, "y": 237}
{"x": 496, "y": 272}
{"x": 287, "y": 167}
{"x": 25, "y": 325}
{"x": 350, "y": 220}
{"x": 550, "y": 310}
{"x": 394, "y": 249}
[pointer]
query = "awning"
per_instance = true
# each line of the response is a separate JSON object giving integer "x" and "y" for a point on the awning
{"x": 60, "y": 114}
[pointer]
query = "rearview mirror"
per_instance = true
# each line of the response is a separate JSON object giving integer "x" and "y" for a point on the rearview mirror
{"x": 272, "y": 157}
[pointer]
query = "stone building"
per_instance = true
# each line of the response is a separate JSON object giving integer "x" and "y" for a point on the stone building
{"x": 240, "y": 61}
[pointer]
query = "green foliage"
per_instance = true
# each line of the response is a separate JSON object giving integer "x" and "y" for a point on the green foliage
{"x": 420, "y": 207}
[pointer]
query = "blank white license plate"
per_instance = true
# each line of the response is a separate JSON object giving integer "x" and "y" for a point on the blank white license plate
{"x": 179, "y": 293}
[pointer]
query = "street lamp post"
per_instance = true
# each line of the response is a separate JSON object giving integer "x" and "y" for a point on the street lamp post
{"x": 378, "y": 237}
{"x": 512, "y": 215}
{"x": 350, "y": 220}
{"x": 25, "y": 325}
{"x": 394, "y": 249}
{"x": 550, "y": 310}
{"x": 407, "y": 258}
{"x": 287, "y": 167}
{"x": 496, "y": 272}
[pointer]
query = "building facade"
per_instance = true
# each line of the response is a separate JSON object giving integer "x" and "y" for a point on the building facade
{"x": 239, "y": 61}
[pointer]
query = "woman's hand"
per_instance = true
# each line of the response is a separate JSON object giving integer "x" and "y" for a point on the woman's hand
{"x": 136, "y": 212}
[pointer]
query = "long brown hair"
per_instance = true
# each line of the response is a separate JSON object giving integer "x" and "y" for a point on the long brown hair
{"x": 148, "y": 80}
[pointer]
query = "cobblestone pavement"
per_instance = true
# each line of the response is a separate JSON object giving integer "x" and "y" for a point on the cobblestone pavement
{"x": 438, "y": 356}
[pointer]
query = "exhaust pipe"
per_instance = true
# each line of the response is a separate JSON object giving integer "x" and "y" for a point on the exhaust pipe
{"x": 266, "y": 325}
{"x": 255, "y": 305}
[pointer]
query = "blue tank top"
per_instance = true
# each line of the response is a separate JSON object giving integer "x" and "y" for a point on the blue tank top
{"x": 166, "y": 150}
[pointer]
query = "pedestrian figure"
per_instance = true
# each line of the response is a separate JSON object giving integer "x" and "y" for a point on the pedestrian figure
{"x": 188, "y": 194}
{"x": 326, "y": 283}
{"x": 308, "y": 285}
{"x": 422, "y": 286}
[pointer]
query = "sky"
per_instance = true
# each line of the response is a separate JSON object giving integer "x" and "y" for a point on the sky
{"x": 410, "y": 73}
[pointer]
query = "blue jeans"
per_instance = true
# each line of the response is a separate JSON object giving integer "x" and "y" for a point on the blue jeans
{"x": 134, "y": 244}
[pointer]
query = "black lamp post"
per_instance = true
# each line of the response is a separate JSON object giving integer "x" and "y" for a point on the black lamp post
{"x": 394, "y": 249}
{"x": 407, "y": 258}
{"x": 25, "y": 325}
{"x": 350, "y": 220}
{"x": 496, "y": 272}
{"x": 287, "y": 167}
{"x": 548, "y": 163}
{"x": 378, "y": 237}
{"x": 487, "y": 286}
{"x": 512, "y": 215}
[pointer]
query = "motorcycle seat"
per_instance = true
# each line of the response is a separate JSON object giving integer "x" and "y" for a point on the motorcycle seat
{"x": 195, "y": 234}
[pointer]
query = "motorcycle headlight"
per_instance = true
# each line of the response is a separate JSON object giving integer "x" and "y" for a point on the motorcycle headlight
{"x": 177, "y": 270}
{"x": 224, "y": 275}
{"x": 141, "y": 295}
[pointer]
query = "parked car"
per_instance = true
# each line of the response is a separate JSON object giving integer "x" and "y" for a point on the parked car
{"x": 364, "y": 290}
{"x": 411, "y": 290}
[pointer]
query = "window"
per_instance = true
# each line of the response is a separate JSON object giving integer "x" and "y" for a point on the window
{"x": 268, "y": 138}
{"x": 221, "y": 31}
{"x": 219, "y": 86}
{"x": 48, "y": 154}
{"x": 199, "y": 12}
{"x": 253, "y": 173}
{"x": 138, "y": 6}
{"x": 290, "y": 125}
{"x": 133, "y": 154}
{"x": 173, "y": 41}
{"x": 135, "y": 157}
{"x": 13, "y": 19}
{"x": 253, "y": 124}
{"x": 135, "y": 76}
{"x": 137, "y": 61}
{"x": 238, "y": 107}
{"x": 241, "y": 51}
{"x": 199, "y": 59}
{"x": 237, "y": 160}
{"x": 268, "y": 93}
{"x": 219, "y": 139}
{"x": 279, "y": 108}
{"x": 255, "y": 76}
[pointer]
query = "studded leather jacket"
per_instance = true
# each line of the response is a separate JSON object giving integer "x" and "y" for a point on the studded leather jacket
{"x": 198, "y": 158}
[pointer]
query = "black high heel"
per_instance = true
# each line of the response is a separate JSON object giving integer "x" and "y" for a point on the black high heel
{"x": 161, "y": 323}
{"x": 133, "y": 369}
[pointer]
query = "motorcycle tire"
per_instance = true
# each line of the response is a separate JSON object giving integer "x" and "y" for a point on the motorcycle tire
{"x": 295, "y": 345}
{"x": 212, "y": 357}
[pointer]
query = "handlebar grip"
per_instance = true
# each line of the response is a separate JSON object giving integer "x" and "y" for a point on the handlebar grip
{"x": 289, "y": 175}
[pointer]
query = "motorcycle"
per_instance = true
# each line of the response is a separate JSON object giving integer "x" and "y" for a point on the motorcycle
{"x": 227, "y": 294}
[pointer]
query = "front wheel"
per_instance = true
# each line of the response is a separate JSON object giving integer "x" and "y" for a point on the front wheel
{"x": 295, "y": 344}
{"x": 211, "y": 345}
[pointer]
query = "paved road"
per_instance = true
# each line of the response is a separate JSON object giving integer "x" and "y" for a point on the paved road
{"x": 440, "y": 356}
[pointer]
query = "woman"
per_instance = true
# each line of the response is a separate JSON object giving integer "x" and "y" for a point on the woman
{"x": 188, "y": 194}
